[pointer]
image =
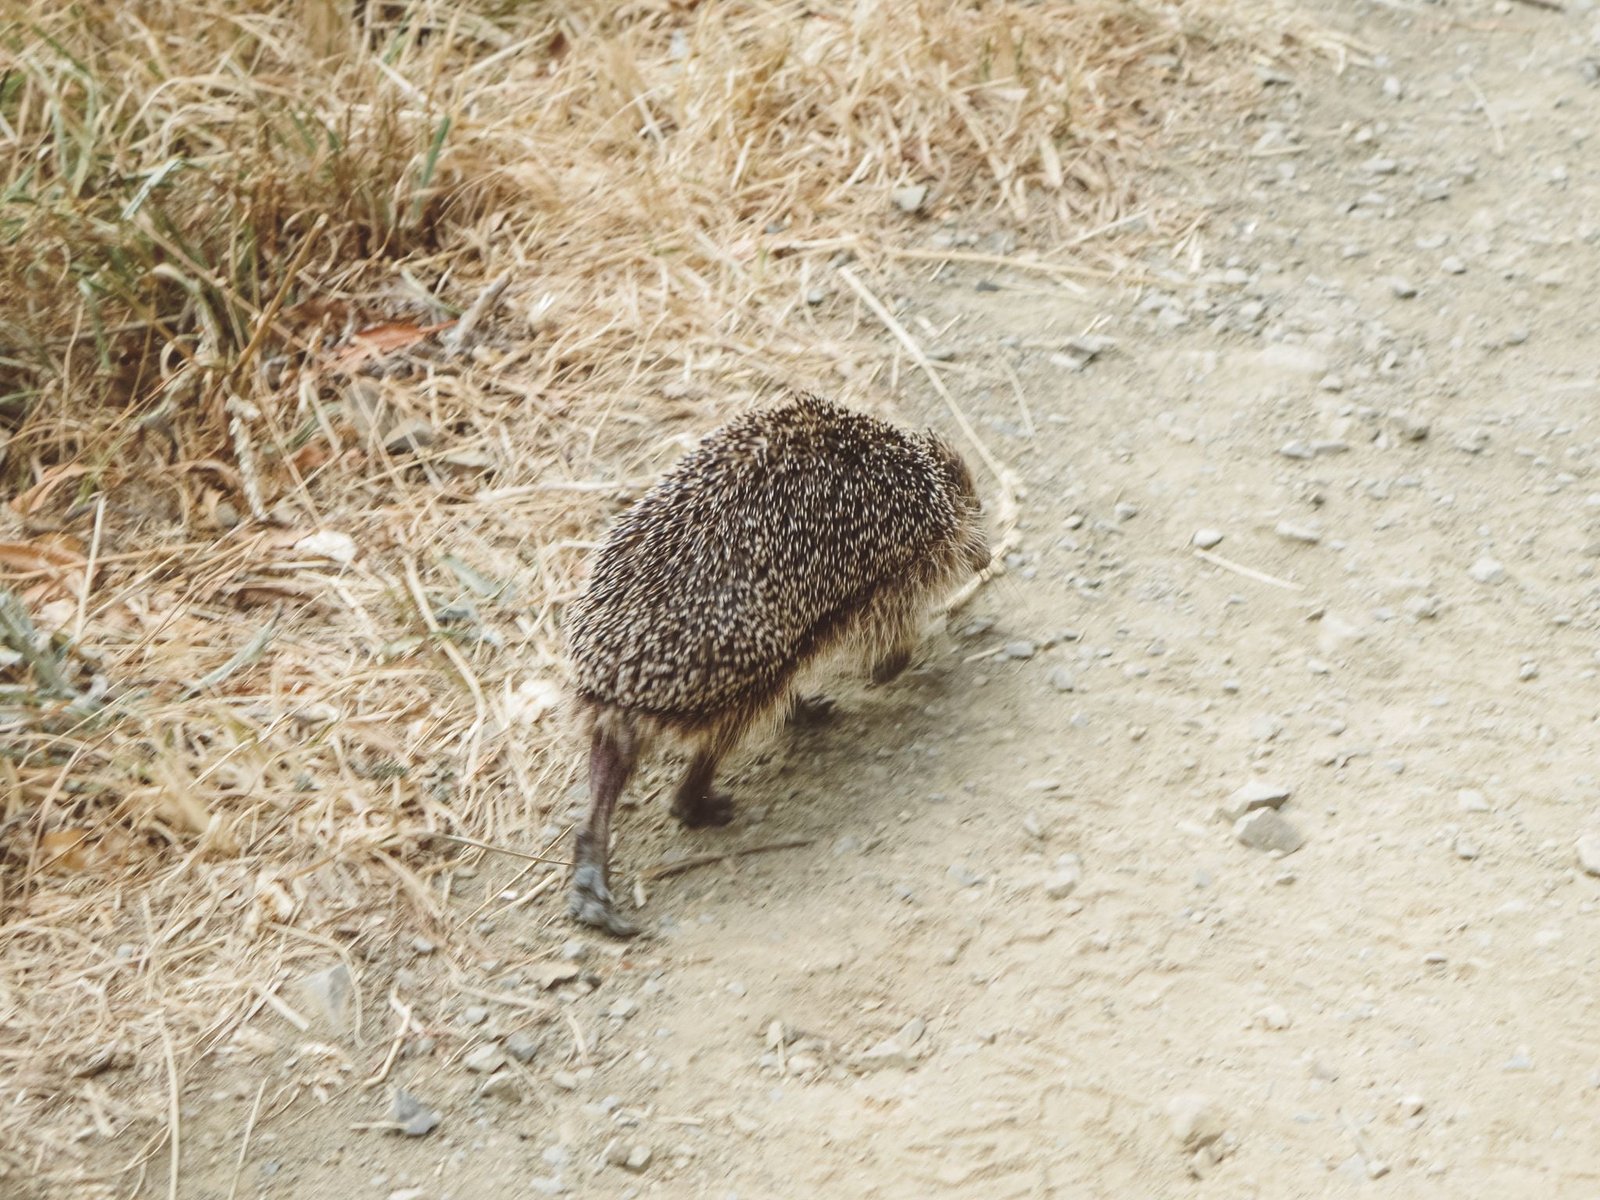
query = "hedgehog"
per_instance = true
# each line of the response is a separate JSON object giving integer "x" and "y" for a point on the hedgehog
{"x": 794, "y": 533}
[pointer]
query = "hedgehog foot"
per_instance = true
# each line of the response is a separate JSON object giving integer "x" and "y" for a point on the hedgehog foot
{"x": 808, "y": 712}
{"x": 703, "y": 810}
{"x": 590, "y": 904}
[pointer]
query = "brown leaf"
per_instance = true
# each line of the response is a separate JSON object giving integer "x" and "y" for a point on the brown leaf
{"x": 378, "y": 340}
{"x": 64, "y": 848}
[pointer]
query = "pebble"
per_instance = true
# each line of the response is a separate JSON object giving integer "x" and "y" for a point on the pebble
{"x": 328, "y": 993}
{"x": 484, "y": 1059}
{"x": 903, "y": 1051}
{"x": 502, "y": 1085}
{"x": 1255, "y": 794}
{"x": 1062, "y": 680}
{"x": 963, "y": 875}
{"x": 521, "y": 1046}
{"x": 1403, "y": 289}
{"x": 1020, "y": 650}
{"x": 1453, "y": 265}
{"x": 1195, "y": 1120}
{"x": 1471, "y": 800}
{"x": 1273, "y": 1016}
{"x": 1064, "y": 878}
{"x": 1410, "y": 1106}
{"x": 1125, "y": 511}
{"x": 632, "y": 1156}
{"x": 1589, "y": 853}
{"x": 1291, "y": 532}
{"x": 1296, "y": 449}
{"x": 911, "y": 198}
{"x": 1207, "y": 538}
{"x": 1267, "y": 829}
{"x": 1522, "y": 1060}
{"x": 1466, "y": 848}
{"x": 1487, "y": 570}
{"x": 412, "y": 1116}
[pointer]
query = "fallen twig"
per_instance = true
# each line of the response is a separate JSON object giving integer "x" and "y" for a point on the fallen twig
{"x": 1227, "y": 564}
{"x": 706, "y": 860}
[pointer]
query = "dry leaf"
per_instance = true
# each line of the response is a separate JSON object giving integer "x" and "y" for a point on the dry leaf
{"x": 65, "y": 848}
{"x": 378, "y": 340}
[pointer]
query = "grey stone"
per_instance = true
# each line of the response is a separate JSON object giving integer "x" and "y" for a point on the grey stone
{"x": 1253, "y": 795}
{"x": 328, "y": 993}
{"x": 1589, "y": 853}
{"x": 412, "y": 1116}
{"x": 1487, "y": 570}
{"x": 902, "y": 1051}
{"x": 484, "y": 1059}
{"x": 1195, "y": 1120}
{"x": 1266, "y": 829}
{"x": 1062, "y": 680}
{"x": 521, "y": 1046}
{"x": 1064, "y": 878}
{"x": 1207, "y": 538}
{"x": 911, "y": 198}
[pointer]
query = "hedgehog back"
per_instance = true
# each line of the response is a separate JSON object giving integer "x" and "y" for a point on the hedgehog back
{"x": 749, "y": 554}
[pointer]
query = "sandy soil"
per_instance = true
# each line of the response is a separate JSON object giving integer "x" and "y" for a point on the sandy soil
{"x": 1373, "y": 371}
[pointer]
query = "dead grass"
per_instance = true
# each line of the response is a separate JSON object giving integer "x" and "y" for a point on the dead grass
{"x": 301, "y": 550}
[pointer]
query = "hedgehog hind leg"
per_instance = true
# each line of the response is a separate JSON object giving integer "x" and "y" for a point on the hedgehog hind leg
{"x": 696, "y": 803}
{"x": 613, "y": 752}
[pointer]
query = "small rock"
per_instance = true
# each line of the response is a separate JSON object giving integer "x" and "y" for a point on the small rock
{"x": 484, "y": 1059}
{"x": 1487, "y": 570}
{"x": 1267, "y": 829}
{"x": 502, "y": 1085}
{"x": 327, "y": 993}
{"x": 1257, "y": 793}
{"x": 1423, "y": 608}
{"x": 1207, "y": 538}
{"x": 963, "y": 875}
{"x": 1296, "y": 449}
{"x": 1589, "y": 853}
{"x": 521, "y": 1046}
{"x": 409, "y": 437}
{"x": 1453, "y": 265}
{"x": 1125, "y": 511}
{"x": 1403, "y": 289}
{"x": 1522, "y": 1060}
{"x": 1063, "y": 880}
{"x": 1062, "y": 680}
{"x": 1380, "y": 166}
{"x": 329, "y": 544}
{"x": 903, "y": 1051}
{"x": 412, "y": 1116}
{"x": 911, "y": 198}
{"x": 1292, "y": 532}
{"x": 1471, "y": 800}
{"x": 1273, "y": 1016}
{"x": 631, "y": 1156}
{"x": 1466, "y": 848}
{"x": 1412, "y": 428}
{"x": 1020, "y": 650}
{"x": 1195, "y": 1120}
{"x": 623, "y": 1007}
{"x": 1410, "y": 1106}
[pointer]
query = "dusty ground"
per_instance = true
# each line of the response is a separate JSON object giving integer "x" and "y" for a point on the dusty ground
{"x": 1373, "y": 371}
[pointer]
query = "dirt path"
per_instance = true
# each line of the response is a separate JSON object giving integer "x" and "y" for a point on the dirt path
{"x": 1375, "y": 372}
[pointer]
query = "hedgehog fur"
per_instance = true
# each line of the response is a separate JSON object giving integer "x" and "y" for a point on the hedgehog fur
{"x": 793, "y": 533}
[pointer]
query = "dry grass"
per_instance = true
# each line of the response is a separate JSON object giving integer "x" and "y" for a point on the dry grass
{"x": 230, "y": 241}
